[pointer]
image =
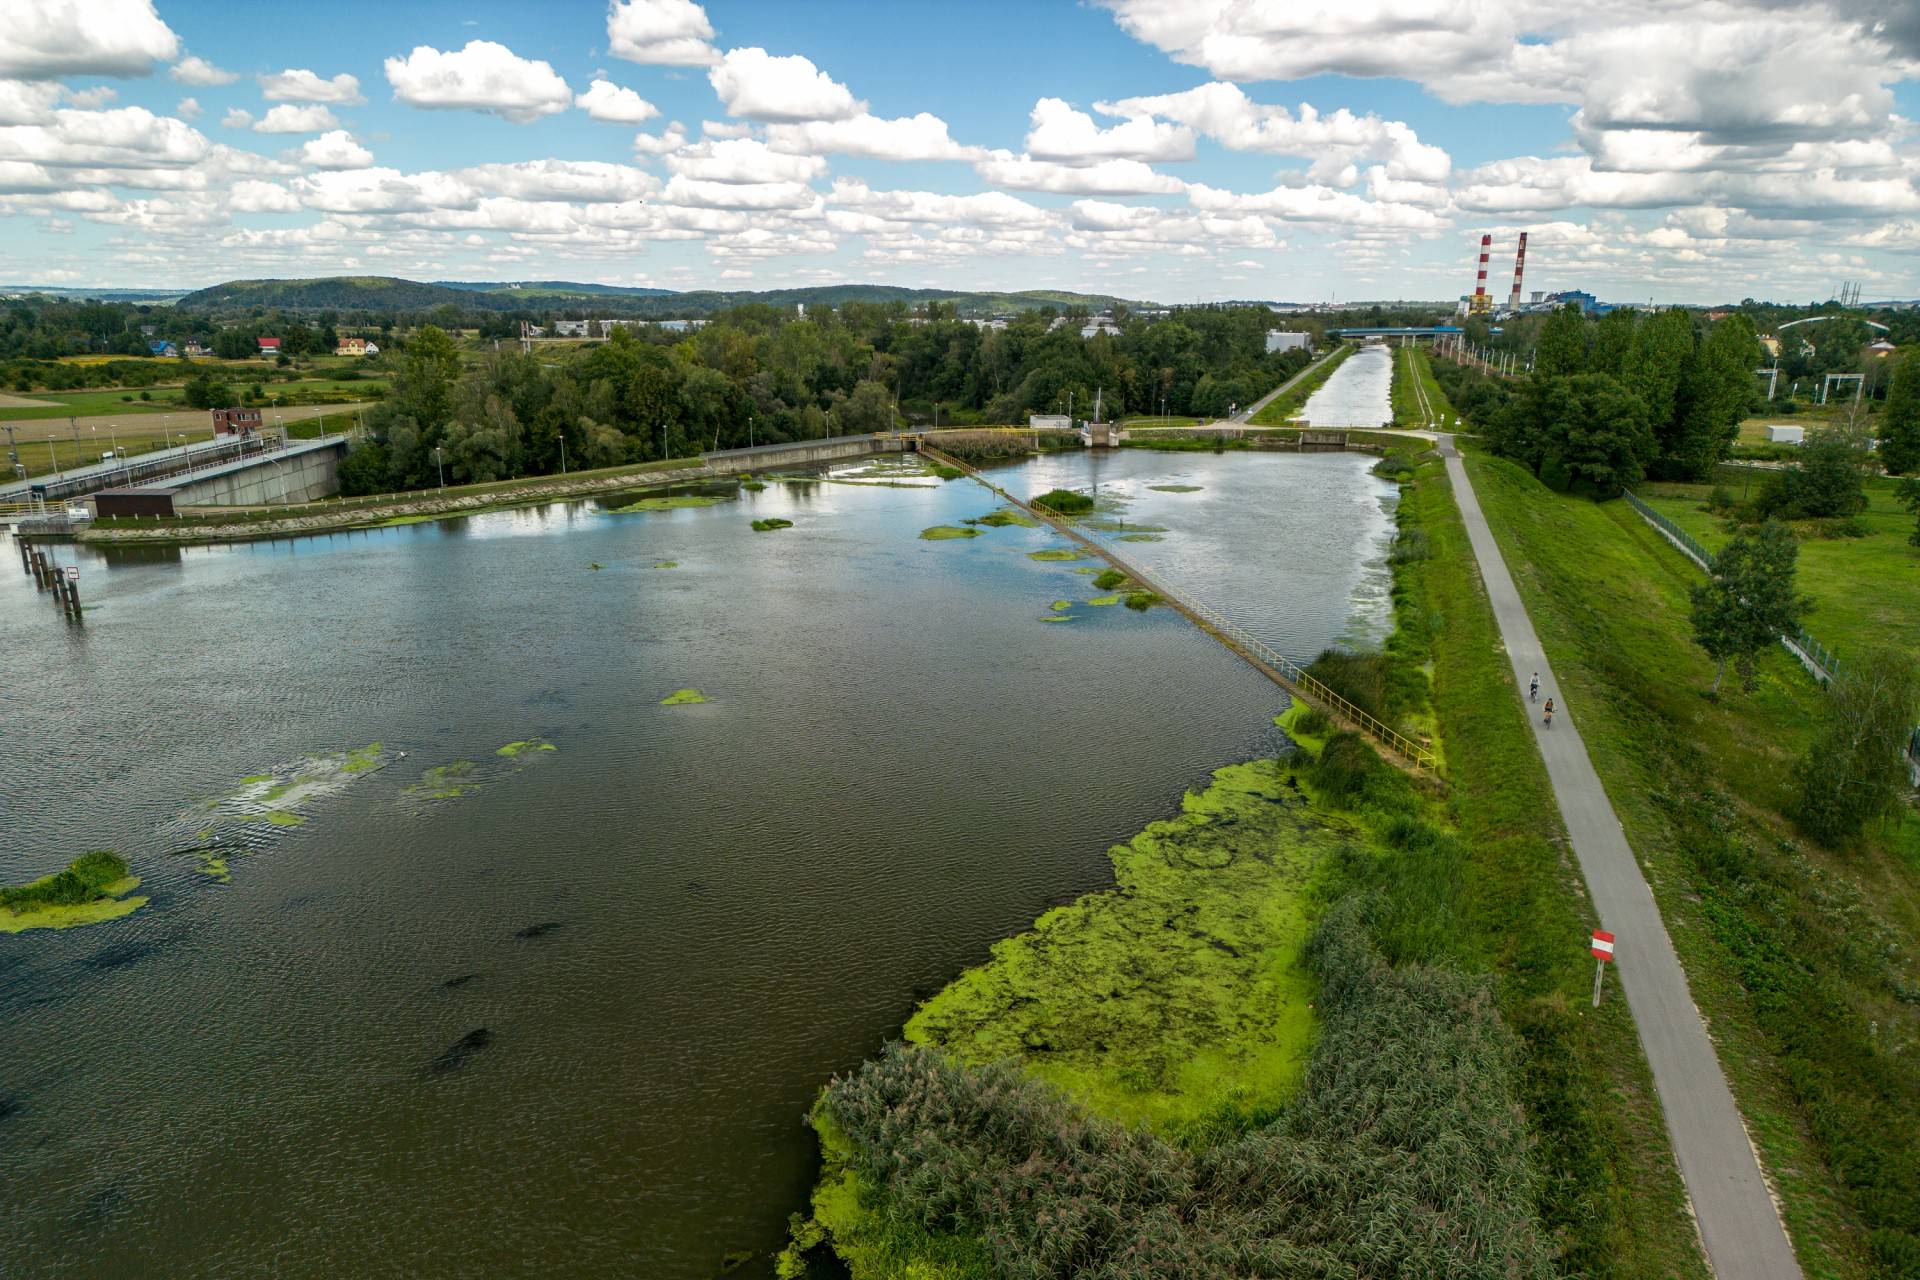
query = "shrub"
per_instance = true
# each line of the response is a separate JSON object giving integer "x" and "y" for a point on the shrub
{"x": 83, "y": 881}
{"x": 1361, "y": 678}
{"x": 946, "y": 472}
{"x": 1312, "y": 722}
{"x": 1142, "y": 600}
{"x": 1108, "y": 579}
{"x": 771, "y": 523}
{"x": 1064, "y": 502}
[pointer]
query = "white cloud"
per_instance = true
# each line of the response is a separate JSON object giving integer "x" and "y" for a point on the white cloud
{"x": 672, "y": 138}
{"x": 992, "y": 208}
{"x": 1062, "y": 134}
{"x": 188, "y": 109}
{"x": 744, "y": 160}
{"x": 588, "y": 181}
{"x": 381, "y": 190}
{"x": 335, "y": 150}
{"x": 250, "y": 195}
{"x": 615, "y": 104}
{"x": 290, "y": 119}
{"x": 683, "y": 190}
{"x": 725, "y": 129}
{"x": 1315, "y": 204}
{"x": 198, "y": 71}
{"x": 759, "y": 86}
{"x": 50, "y": 38}
{"x": 483, "y": 76}
{"x": 123, "y": 138}
{"x": 297, "y": 84}
{"x": 1104, "y": 177}
{"x": 92, "y": 99}
{"x": 27, "y": 102}
{"x": 236, "y": 118}
{"x": 673, "y": 33}
{"x": 917, "y": 137}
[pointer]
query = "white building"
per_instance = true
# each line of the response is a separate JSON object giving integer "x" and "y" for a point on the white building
{"x": 1100, "y": 324}
{"x": 571, "y": 328}
{"x": 1049, "y": 421}
{"x": 1287, "y": 340}
{"x": 1781, "y": 433}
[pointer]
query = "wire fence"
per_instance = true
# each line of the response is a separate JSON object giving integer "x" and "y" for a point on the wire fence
{"x": 1282, "y": 669}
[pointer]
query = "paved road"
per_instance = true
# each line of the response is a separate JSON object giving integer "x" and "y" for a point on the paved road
{"x": 1738, "y": 1224}
{"x": 1246, "y": 414}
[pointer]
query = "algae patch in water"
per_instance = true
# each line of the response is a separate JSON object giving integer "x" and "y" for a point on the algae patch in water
{"x": 683, "y": 697}
{"x": 94, "y": 887}
{"x": 263, "y": 803}
{"x": 1006, "y": 516}
{"x": 1102, "y": 602}
{"x": 753, "y": 486}
{"x": 1055, "y": 554}
{"x": 1180, "y": 991}
{"x": 444, "y": 781}
{"x": 530, "y": 744}
{"x": 1140, "y": 537}
{"x": 1060, "y": 605}
{"x": 666, "y": 564}
{"x": 1058, "y": 617}
{"x": 1174, "y": 488}
{"x": 943, "y": 532}
{"x": 672, "y": 502}
{"x": 1089, "y": 570}
{"x": 771, "y": 523}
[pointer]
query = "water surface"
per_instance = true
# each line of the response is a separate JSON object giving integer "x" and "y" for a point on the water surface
{"x": 1357, "y": 394}
{"x": 898, "y": 764}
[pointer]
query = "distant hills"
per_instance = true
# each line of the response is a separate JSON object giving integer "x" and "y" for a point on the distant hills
{"x": 386, "y": 293}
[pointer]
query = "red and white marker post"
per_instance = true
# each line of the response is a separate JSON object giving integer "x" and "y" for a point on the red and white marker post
{"x": 1602, "y": 948}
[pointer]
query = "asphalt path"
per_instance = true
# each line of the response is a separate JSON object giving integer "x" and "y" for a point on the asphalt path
{"x": 1732, "y": 1206}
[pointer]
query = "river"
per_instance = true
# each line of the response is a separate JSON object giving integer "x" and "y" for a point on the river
{"x": 1358, "y": 394}
{"x": 898, "y": 764}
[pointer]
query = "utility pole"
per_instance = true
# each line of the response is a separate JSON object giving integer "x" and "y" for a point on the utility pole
{"x": 440, "y": 469}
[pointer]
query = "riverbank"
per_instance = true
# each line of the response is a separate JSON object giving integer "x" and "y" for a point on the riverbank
{"x": 1471, "y": 884}
{"x": 1286, "y": 406}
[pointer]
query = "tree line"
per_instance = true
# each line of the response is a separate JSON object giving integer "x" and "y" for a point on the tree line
{"x": 759, "y": 375}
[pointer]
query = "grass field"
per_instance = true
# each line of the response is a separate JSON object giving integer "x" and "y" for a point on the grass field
{"x": 1288, "y": 405}
{"x": 51, "y": 446}
{"x": 1866, "y": 591}
{"x": 1800, "y": 959}
{"x": 1155, "y": 420}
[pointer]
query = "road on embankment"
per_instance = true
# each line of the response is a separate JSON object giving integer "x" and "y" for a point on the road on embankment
{"x": 1246, "y": 414}
{"x": 1731, "y": 1203}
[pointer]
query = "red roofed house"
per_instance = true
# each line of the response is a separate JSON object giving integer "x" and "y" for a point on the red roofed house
{"x": 269, "y": 346}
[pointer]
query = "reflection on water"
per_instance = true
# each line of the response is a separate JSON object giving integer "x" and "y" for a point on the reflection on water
{"x": 1357, "y": 394}
{"x": 566, "y": 1022}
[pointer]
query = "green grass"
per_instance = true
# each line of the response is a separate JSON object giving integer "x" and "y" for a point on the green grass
{"x": 1866, "y": 591}
{"x": 1412, "y": 366}
{"x": 1800, "y": 960}
{"x": 1287, "y": 405}
{"x": 93, "y": 887}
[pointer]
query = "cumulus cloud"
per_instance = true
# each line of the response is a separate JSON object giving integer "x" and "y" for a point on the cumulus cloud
{"x": 27, "y": 102}
{"x": 615, "y": 104}
{"x": 1068, "y": 136}
{"x": 699, "y": 193}
{"x": 290, "y": 119}
{"x": 236, "y": 118}
{"x": 198, "y": 71}
{"x": 917, "y": 137}
{"x": 674, "y": 33}
{"x": 1104, "y": 177}
{"x": 744, "y": 160}
{"x": 297, "y": 84}
{"x": 672, "y": 138}
{"x": 759, "y": 86}
{"x": 50, "y": 38}
{"x": 251, "y": 195}
{"x": 335, "y": 149}
{"x": 483, "y": 76}
{"x": 123, "y": 138}
{"x": 993, "y": 208}
{"x": 188, "y": 108}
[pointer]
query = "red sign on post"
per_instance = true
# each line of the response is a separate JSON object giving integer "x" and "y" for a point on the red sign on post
{"x": 1602, "y": 945}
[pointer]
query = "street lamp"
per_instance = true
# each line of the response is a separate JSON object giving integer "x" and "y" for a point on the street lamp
{"x": 439, "y": 468}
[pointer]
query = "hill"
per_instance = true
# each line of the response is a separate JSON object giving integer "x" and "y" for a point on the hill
{"x": 387, "y": 294}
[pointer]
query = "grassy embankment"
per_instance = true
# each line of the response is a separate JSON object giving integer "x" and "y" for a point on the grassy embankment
{"x": 1865, "y": 590}
{"x": 1801, "y": 960}
{"x": 1175, "y": 999}
{"x": 1412, "y": 372}
{"x": 1287, "y": 405}
{"x": 94, "y": 887}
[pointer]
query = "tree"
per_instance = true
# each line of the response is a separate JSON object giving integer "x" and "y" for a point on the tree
{"x": 1749, "y": 602}
{"x": 1825, "y": 482}
{"x": 1909, "y": 494}
{"x": 1715, "y": 393}
{"x": 1900, "y": 417}
{"x": 1563, "y": 344}
{"x": 423, "y": 385}
{"x": 1601, "y": 436}
{"x": 1662, "y": 347}
{"x": 1856, "y": 769}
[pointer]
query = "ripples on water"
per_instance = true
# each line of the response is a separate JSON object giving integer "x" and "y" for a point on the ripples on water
{"x": 1357, "y": 394}
{"x": 671, "y": 931}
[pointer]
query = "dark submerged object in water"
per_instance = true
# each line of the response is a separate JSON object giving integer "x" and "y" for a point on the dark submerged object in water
{"x": 538, "y": 930}
{"x": 455, "y": 1055}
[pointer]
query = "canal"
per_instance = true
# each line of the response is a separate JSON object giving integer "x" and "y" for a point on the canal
{"x": 560, "y": 1012}
{"x": 1358, "y": 394}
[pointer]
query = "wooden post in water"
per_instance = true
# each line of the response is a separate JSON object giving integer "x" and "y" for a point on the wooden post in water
{"x": 39, "y": 570}
{"x": 73, "y": 600}
{"x": 26, "y": 560}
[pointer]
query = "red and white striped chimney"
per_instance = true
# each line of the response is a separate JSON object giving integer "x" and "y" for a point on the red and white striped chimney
{"x": 1480, "y": 281}
{"x": 1519, "y": 268}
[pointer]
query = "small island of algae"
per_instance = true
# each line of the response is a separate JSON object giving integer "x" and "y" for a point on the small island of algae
{"x": 529, "y": 744}
{"x": 672, "y": 502}
{"x": 1055, "y": 554}
{"x": 771, "y": 523}
{"x": 944, "y": 532}
{"x": 93, "y": 888}
{"x": 683, "y": 697}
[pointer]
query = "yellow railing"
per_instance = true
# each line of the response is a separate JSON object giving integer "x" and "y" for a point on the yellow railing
{"x": 1282, "y": 669}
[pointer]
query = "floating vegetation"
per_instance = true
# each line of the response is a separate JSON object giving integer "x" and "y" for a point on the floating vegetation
{"x": 1059, "y": 605}
{"x": 753, "y": 486}
{"x": 1142, "y": 599}
{"x": 666, "y": 564}
{"x": 444, "y": 781}
{"x": 1056, "y": 554}
{"x": 771, "y": 523}
{"x": 946, "y": 472}
{"x": 1139, "y": 537}
{"x": 93, "y": 887}
{"x": 1006, "y": 516}
{"x": 529, "y": 744}
{"x": 944, "y": 532}
{"x": 1101, "y": 602}
{"x": 683, "y": 697}
{"x": 1108, "y": 524}
{"x": 1058, "y": 617}
{"x": 1174, "y": 488}
{"x": 281, "y": 818}
{"x": 1089, "y": 570}
{"x": 595, "y": 565}
{"x": 457, "y": 777}
{"x": 1064, "y": 502}
{"x": 262, "y": 805}
{"x": 672, "y": 502}
{"x": 1109, "y": 579}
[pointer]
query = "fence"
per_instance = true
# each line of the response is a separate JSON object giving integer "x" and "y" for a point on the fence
{"x": 1282, "y": 669}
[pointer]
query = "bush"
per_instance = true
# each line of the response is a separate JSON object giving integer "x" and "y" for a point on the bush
{"x": 771, "y": 523}
{"x": 85, "y": 880}
{"x": 946, "y": 472}
{"x": 1361, "y": 678}
{"x": 1720, "y": 500}
{"x": 1064, "y": 502}
{"x": 1108, "y": 579}
{"x": 1142, "y": 600}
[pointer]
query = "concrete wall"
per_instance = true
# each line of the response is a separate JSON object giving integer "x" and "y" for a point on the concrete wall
{"x": 274, "y": 481}
{"x": 799, "y": 453}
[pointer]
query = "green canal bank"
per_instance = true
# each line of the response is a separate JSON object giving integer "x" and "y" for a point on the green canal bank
{"x": 1166, "y": 1077}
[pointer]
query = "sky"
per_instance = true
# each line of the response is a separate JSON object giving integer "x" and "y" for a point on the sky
{"x": 1173, "y": 150}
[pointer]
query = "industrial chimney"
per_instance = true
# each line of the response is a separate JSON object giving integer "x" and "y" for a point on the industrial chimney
{"x": 1519, "y": 269}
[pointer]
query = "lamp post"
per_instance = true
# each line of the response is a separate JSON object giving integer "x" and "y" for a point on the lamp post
{"x": 563, "y": 453}
{"x": 441, "y": 470}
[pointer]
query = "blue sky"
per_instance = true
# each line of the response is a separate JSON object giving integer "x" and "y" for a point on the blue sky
{"x": 1173, "y": 149}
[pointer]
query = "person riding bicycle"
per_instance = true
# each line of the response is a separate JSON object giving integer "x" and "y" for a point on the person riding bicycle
{"x": 1533, "y": 688}
{"x": 1549, "y": 718}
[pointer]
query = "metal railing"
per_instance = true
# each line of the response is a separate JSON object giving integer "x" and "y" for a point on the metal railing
{"x": 1278, "y": 666}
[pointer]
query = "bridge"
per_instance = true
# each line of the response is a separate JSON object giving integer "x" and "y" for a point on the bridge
{"x": 245, "y": 471}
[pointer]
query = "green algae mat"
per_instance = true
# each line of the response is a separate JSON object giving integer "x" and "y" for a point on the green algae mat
{"x": 673, "y": 502}
{"x": 94, "y": 887}
{"x": 1179, "y": 991}
{"x": 945, "y": 532}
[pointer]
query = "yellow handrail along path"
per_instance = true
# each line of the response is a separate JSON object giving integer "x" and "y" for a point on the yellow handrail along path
{"x": 1276, "y": 666}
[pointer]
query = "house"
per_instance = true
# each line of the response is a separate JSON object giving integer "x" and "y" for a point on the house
{"x": 571, "y": 328}
{"x": 1772, "y": 346}
{"x": 1880, "y": 348}
{"x": 269, "y": 346}
{"x": 235, "y": 422}
{"x": 351, "y": 347}
{"x": 196, "y": 348}
{"x": 1099, "y": 324}
{"x": 1288, "y": 340}
{"x": 162, "y": 348}
{"x": 1783, "y": 433}
{"x": 371, "y": 350}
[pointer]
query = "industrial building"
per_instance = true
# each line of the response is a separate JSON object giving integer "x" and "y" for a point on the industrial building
{"x": 1287, "y": 340}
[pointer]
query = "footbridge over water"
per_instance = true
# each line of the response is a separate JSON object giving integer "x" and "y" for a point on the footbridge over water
{"x": 1290, "y": 675}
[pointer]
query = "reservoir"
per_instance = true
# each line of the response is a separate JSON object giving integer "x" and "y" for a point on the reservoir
{"x": 1358, "y": 394}
{"x": 560, "y": 1012}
